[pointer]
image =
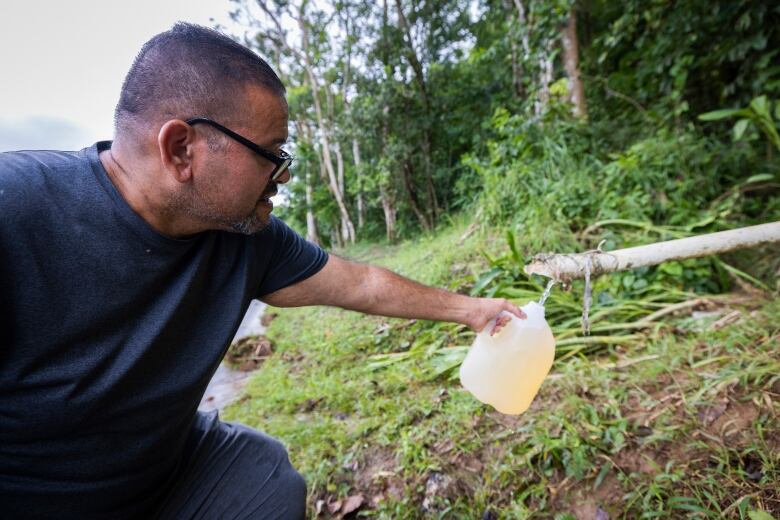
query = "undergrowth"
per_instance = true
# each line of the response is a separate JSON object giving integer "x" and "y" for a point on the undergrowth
{"x": 679, "y": 420}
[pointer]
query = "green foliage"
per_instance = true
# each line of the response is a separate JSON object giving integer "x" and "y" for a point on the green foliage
{"x": 758, "y": 114}
{"x": 564, "y": 178}
{"x": 686, "y": 59}
{"x": 466, "y": 124}
{"x": 522, "y": 168}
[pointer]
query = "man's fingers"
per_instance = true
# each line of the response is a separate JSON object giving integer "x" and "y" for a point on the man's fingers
{"x": 514, "y": 309}
{"x": 489, "y": 308}
{"x": 500, "y": 322}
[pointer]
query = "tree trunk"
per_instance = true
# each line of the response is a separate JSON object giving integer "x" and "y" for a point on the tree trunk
{"x": 411, "y": 55}
{"x": 571, "y": 60}
{"x": 339, "y": 167}
{"x": 545, "y": 78}
{"x": 335, "y": 237}
{"x": 348, "y": 229}
{"x": 421, "y": 216}
{"x": 517, "y": 74}
{"x": 520, "y": 28}
{"x": 304, "y": 134}
{"x": 304, "y": 55}
{"x": 309, "y": 132}
{"x": 524, "y": 29}
{"x": 429, "y": 186}
{"x": 311, "y": 221}
{"x": 361, "y": 209}
{"x": 328, "y": 120}
{"x": 419, "y": 77}
{"x": 388, "y": 208}
{"x": 386, "y": 191}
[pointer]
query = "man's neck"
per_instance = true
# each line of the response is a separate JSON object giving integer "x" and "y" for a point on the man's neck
{"x": 131, "y": 180}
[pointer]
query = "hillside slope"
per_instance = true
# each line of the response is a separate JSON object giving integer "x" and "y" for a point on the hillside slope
{"x": 682, "y": 421}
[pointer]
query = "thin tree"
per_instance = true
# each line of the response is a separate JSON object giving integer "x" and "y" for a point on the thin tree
{"x": 571, "y": 61}
{"x": 304, "y": 56}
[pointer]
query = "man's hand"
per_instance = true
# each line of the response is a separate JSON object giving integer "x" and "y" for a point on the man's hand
{"x": 374, "y": 290}
{"x": 487, "y": 309}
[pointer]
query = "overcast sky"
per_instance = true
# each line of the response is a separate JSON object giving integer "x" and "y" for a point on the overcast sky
{"x": 62, "y": 63}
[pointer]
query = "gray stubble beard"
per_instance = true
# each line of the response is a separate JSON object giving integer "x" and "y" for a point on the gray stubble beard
{"x": 251, "y": 224}
{"x": 200, "y": 209}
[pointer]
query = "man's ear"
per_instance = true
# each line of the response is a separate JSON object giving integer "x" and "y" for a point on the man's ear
{"x": 176, "y": 143}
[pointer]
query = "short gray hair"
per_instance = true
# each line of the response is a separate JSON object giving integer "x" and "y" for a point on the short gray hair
{"x": 190, "y": 71}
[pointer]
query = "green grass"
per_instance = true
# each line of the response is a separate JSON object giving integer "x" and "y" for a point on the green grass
{"x": 682, "y": 422}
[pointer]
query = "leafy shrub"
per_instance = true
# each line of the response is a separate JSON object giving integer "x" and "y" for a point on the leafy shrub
{"x": 565, "y": 177}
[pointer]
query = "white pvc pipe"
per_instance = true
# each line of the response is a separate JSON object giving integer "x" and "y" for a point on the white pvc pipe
{"x": 563, "y": 267}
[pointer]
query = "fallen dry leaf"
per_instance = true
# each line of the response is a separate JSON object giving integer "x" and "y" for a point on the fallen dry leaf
{"x": 263, "y": 348}
{"x": 352, "y": 503}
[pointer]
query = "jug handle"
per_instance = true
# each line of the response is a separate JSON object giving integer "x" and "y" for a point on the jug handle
{"x": 495, "y": 325}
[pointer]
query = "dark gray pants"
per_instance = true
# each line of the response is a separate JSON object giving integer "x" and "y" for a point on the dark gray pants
{"x": 231, "y": 471}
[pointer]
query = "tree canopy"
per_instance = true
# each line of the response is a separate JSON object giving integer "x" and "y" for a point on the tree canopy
{"x": 404, "y": 112}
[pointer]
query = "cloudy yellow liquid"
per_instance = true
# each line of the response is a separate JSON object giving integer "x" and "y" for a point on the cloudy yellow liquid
{"x": 507, "y": 369}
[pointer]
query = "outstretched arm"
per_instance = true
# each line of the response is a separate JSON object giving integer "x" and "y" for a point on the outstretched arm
{"x": 375, "y": 290}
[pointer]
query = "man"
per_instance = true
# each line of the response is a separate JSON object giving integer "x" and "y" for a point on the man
{"x": 125, "y": 269}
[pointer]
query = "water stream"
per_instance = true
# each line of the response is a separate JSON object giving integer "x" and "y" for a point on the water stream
{"x": 547, "y": 291}
{"x": 586, "y": 300}
{"x": 227, "y": 384}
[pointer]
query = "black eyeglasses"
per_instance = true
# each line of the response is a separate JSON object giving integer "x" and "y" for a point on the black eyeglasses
{"x": 282, "y": 161}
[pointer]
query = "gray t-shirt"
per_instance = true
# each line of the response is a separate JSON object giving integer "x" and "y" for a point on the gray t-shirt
{"x": 109, "y": 334}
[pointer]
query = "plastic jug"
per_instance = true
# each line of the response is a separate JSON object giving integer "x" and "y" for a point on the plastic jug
{"x": 507, "y": 369}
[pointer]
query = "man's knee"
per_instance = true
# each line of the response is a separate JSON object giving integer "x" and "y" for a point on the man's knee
{"x": 290, "y": 483}
{"x": 294, "y": 487}
{"x": 269, "y": 448}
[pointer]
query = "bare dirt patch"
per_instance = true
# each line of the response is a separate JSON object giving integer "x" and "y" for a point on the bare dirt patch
{"x": 374, "y": 478}
{"x": 736, "y": 422}
{"x": 249, "y": 353}
{"x": 599, "y": 504}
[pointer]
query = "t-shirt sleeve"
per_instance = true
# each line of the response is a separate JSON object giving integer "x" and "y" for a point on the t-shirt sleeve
{"x": 292, "y": 257}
